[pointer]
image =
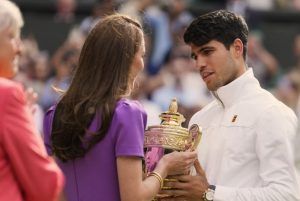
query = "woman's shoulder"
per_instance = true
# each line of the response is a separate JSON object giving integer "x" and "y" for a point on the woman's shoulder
{"x": 12, "y": 93}
{"x": 49, "y": 114}
{"x": 127, "y": 105}
{"x": 8, "y": 86}
{"x": 127, "y": 108}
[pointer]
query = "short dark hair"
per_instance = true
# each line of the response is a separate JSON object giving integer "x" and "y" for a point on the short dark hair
{"x": 222, "y": 26}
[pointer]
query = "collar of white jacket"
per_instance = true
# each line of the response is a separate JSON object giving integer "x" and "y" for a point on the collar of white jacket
{"x": 230, "y": 93}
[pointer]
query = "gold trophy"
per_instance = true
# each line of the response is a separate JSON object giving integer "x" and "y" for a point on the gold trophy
{"x": 169, "y": 136}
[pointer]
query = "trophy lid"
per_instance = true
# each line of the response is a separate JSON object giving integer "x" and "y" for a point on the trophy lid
{"x": 172, "y": 116}
{"x": 169, "y": 134}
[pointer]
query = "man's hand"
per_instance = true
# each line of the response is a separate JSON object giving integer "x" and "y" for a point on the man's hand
{"x": 188, "y": 187}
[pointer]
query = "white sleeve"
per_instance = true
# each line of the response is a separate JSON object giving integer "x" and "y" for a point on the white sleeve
{"x": 275, "y": 130}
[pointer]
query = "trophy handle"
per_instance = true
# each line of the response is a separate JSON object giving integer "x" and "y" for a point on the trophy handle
{"x": 195, "y": 134}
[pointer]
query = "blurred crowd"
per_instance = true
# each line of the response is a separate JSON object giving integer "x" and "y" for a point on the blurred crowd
{"x": 169, "y": 70}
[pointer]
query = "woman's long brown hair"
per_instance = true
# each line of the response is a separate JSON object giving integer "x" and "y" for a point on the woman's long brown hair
{"x": 100, "y": 80}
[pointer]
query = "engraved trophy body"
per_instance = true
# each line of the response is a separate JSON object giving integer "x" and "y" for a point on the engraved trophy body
{"x": 169, "y": 136}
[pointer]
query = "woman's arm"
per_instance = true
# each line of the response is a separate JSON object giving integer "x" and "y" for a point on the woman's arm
{"x": 132, "y": 186}
{"x": 130, "y": 174}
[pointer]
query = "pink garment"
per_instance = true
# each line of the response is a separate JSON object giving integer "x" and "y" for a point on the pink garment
{"x": 153, "y": 155}
{"x": 26, "y": 172}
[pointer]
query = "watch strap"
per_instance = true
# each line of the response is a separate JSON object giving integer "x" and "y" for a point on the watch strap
{"x": 212, "y": 187}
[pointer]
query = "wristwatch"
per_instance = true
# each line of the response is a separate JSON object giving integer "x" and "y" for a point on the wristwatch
{"x": 208, "y": 195}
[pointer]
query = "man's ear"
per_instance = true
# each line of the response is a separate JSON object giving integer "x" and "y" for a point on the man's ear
{"x": 237, "y": 48}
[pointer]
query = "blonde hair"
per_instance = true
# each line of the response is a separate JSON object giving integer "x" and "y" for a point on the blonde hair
{"x": 10, "y": 16}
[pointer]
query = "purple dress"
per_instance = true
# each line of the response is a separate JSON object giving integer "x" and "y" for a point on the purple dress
{"x": 94, "y": 177}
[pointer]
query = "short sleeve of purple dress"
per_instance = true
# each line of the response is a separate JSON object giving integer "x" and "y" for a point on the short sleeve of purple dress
{"x": 94, "y": 177}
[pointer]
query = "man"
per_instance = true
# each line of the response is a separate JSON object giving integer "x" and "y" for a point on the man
{"x": 245, "y": 151}
{"x": 26, "y": 172}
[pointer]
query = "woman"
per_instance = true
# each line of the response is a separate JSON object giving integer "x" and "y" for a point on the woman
{"x": 95, "y": 132}
{"x": 26, "y": 171}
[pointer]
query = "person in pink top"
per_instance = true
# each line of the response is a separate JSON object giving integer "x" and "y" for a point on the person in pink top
{"x": 26, "y": 172}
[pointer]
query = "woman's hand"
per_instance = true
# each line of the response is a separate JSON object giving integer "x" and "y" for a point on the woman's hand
{"x": 31, "y": 99}
{"x": 178, "y": 162}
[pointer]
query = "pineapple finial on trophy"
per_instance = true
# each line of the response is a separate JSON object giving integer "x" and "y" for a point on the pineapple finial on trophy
{"x": 172, "y": 116}
{"x": 173, "y": 108}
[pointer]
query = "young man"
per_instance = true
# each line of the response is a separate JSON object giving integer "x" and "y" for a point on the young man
{"x": 26, "y": 172}
{"x": 246, "y": 151}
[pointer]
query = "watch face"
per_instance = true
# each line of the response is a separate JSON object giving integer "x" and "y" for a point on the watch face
{"x": 209, "y": 195}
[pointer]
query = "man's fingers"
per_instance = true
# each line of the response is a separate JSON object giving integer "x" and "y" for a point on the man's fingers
{"x": 174, "y": 185}
{"x": 181, "y": 178}
{"x": 174, "y": 193}
{"x": 198, "y": 168}
{"x": 178, "y": 198}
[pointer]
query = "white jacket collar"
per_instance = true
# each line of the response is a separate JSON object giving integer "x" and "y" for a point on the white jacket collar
{"x": 231, "y": 92}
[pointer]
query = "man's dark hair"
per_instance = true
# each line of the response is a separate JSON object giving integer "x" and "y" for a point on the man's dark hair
{"x": 222, "y": 26}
